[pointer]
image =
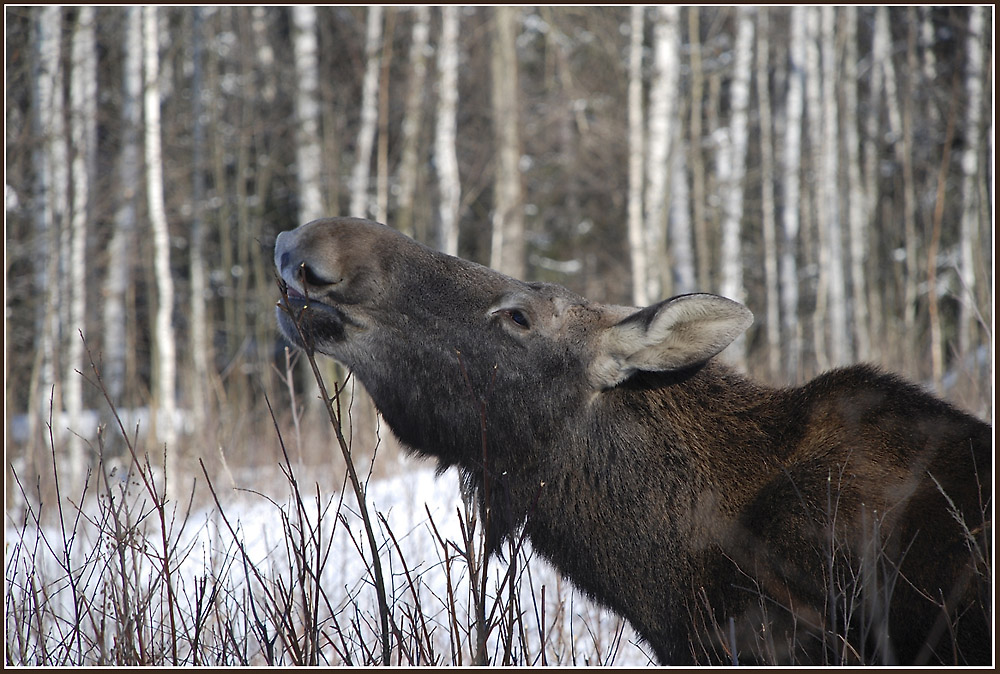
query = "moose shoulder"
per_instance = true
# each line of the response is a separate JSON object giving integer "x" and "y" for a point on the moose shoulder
{"x": 669, "y": 487}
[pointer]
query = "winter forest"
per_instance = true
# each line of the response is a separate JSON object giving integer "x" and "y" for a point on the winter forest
{"x": 829, "y": 167}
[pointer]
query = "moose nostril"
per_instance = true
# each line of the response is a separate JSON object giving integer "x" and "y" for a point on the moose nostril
{"x": 284, "y": 260}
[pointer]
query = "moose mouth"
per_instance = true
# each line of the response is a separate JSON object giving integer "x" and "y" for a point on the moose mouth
{"x": 307, "y": 322}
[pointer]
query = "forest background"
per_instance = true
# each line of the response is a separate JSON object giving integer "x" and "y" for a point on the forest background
{"x": 832, "y": 168}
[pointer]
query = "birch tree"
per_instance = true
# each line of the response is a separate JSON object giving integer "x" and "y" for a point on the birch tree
{"x": 790, "y": 181}
{"x": 507, "y": 253}
{"x": 882, "y": 59}
{"x": 412, "y": 120}
{"x": 83, "y": 132}
{"x": 682, "y": 262}
{"x": 969, "y": 228}
{"x": 445, "y": 132}
{"x": 636, "y": 146}
{"x": 856, "y": 200}
{"x": 308, "y": 157}
{"x": 369, "y": 114}
{"x": 119, "y": 270}
{"x": 164, "y": 342}
{"x": 662, "y": 114}
{"x": 731, "y": 169}
{"x": 50, "y": 160}
{"x": 828, "y": 213}
{"x": 702, "y": 249}
{"x": 814, "y": 252}
{"x": 381, "y": 213}
{"x": 772, "y": 316}
{"x": 200, "y": 344}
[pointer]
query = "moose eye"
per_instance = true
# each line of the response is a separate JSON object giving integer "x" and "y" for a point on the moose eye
{"x": 517, "y": 317}
{"x": 310, "y": 277}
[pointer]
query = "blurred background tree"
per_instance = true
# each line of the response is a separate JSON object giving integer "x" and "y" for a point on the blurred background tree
{"x": 832, "y": 168}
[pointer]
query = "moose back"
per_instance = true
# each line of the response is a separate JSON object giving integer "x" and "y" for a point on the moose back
{"x": 848, "y": 515}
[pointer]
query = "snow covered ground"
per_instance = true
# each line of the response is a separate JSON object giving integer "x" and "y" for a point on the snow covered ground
{"x": 246, "y": 554}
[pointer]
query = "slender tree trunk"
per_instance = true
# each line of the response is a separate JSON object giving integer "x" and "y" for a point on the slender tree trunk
{"x": 835, "y": 322}
{"x": 814, "y": 251}
{"x": 882, "y": 59}
{"x": 369, "y": 114}
{"x": 682, "y": 263}
{"x": 791, "y": 163}
{"x": 446, "y": 156}
{"x": 308, "y": 157}
{"x": 200, "y": 344}
{"x": 870, "y": 155}
{"x": 702, "y": 248}
{"x": 508, "y": 249}
{"x": 163, "y": 332}
{"x": 51, "y": 187}
{"x": 412, "y": 122}
{"x": 732, "y": 170}
{"x": 382, "y": 155}
{"x": 636, "y": 147}
{"x": 83, "y": 131}
{"x": 856, "y": 200}
{"x": 768, "y": 228}
{"x": 662, "y": 114}
{"x": 970, "y": 158}
{"x": 119, "y": 274}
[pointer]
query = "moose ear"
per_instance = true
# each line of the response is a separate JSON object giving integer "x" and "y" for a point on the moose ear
{"x": 670, "y": 335}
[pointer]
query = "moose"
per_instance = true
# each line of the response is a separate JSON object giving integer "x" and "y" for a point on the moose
{"x": 849, "y": 515}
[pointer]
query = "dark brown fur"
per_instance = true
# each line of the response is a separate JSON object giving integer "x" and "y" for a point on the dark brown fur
{"x": 669, "y": 487}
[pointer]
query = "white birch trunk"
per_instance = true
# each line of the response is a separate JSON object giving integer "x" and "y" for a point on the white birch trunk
{"x": 812, "y": 194}
{"x": 732, "y": 158}
{"x": 83, "y": 131}
{"x": 791, "y": 163}
{"x": 829, "y": 200}
{"x": 681, "y": 245}
{"x": 636, "y": 147}
{"x": 128, "y": 170}
{"x": 413, "y": 119}
{"x": 200, "y": 343}
{"x": 308, "y": 149}
{"x": 51, "y": 162}
{"x": 360, "y": 206}
{"x": 969, "y": 227}
{"x": 856, "y": 199}
{"x": 662, "y": 113}
{"x": 928, "y": 61}
{"x": 731, "y": 169}
{"x": 507, "y": 252}
{"x": 163, "y": 333}
{"x": 768, "y": 229}
{"x": 701, "y": 224}
{"x": 445, "y": 132}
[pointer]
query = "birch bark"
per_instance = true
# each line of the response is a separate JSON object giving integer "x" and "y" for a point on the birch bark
{"x": 508, "y": 249}
{"x": 791, "y": 163}
{"x": 636, "y": 146}
{"x": 163, "y": 331}
{"x": 308, "y": 160}
{"x": 445, "y": 132}
{"x": 662, "y": 114}
{"x": 360, "y": 206}
{"x": 732, "y": 156}
{"x": 83, "y": 132}
{"x": 412, "y": 121}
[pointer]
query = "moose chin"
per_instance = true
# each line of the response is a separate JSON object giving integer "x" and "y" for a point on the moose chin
{"x": 655, "y": 477}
